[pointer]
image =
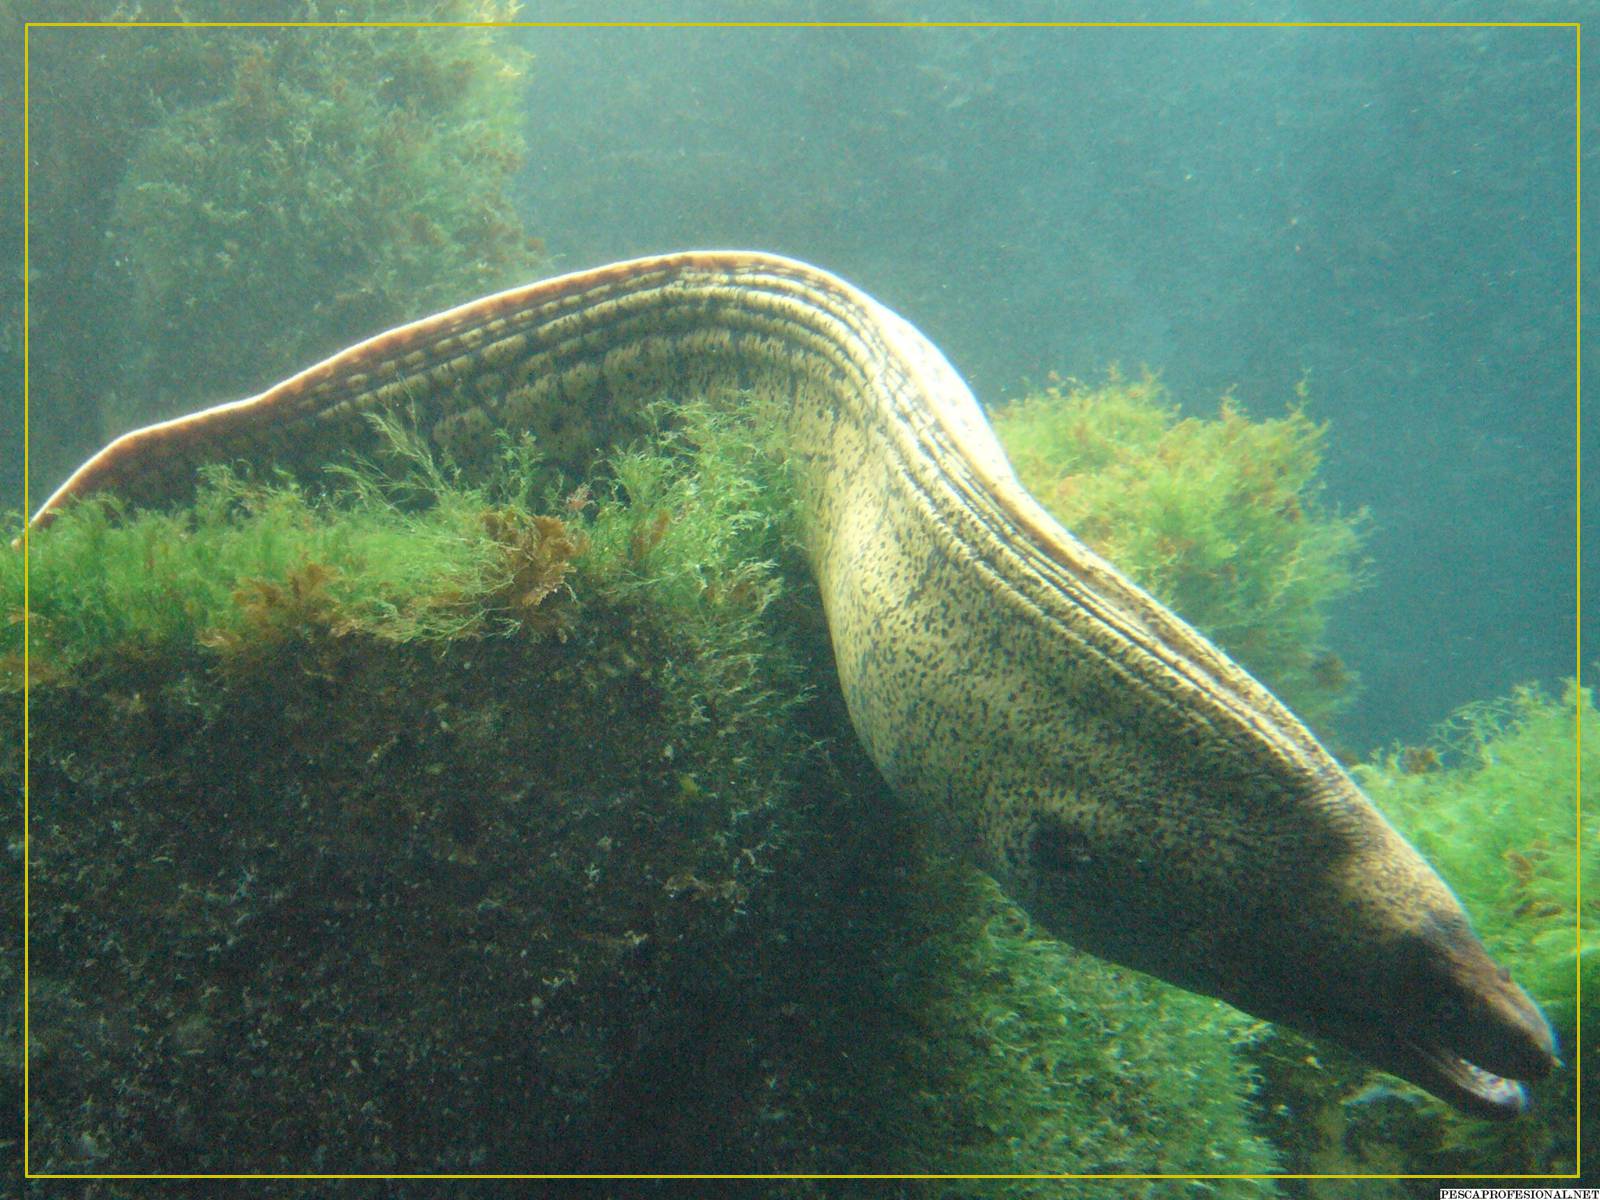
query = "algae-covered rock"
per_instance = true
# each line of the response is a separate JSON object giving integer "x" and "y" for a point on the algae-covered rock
{"x": 419, "y": 822}
{"x": 517, "y": 826}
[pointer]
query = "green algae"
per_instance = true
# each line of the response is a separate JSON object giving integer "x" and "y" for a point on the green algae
{"x": 1219, "y": 518}
{"x": 1494, "y": 808}
{"x": 368, "y": 166}
{"x": 1069, "y": 1064}
{"x": 410, "y": 548}
{"x": 101, "y": 583}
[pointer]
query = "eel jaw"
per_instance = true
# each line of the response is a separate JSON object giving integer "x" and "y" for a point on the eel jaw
{"x": 1467, "y": 1086}
{"x": 1477, "y": 1041}
{"x": 1486, "y": 1035}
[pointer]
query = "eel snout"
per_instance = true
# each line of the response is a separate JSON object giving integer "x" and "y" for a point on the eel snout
{"x": 1490, "y": 1036}
{"x": 1459, "y": 1026}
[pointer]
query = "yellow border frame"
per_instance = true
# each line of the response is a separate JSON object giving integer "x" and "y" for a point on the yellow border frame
{"x": 1575, "y": 26}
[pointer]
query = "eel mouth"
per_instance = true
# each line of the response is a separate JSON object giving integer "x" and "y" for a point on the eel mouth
{"x": 1479, "y": 1052}
{"x": 1470, "y": 1036}
{"x": 1466, "y": 1085}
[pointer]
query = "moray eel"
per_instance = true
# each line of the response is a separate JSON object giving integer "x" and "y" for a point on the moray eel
{"x": 1138, "y": 792}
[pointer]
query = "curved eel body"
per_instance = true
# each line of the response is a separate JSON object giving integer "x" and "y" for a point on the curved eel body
{"x": 1141, "y": 794}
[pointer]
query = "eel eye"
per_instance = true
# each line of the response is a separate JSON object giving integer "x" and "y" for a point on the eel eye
{"x": 1058, "y": 846}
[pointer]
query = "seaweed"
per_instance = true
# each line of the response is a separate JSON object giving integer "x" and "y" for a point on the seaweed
{"x": 369, "y": 166}
{"x": 248, "y": 563}
{"x": 1496, "y": 816}
{"x": 1219, "y": 518}
{"x": 539, "y": 553}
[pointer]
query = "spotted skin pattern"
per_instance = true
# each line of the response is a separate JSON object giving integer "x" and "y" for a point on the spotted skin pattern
{"x": 1136, "y": 790}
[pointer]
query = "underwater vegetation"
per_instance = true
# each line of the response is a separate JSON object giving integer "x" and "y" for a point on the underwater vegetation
{"x": 1219, "y": 518}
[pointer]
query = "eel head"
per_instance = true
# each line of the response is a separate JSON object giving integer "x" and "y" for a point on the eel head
{"x": 1445, "y": 1016}
{"x": 1338, "y": 929}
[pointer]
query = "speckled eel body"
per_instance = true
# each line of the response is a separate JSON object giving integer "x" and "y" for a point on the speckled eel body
{"x": 1141, "y": 794}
